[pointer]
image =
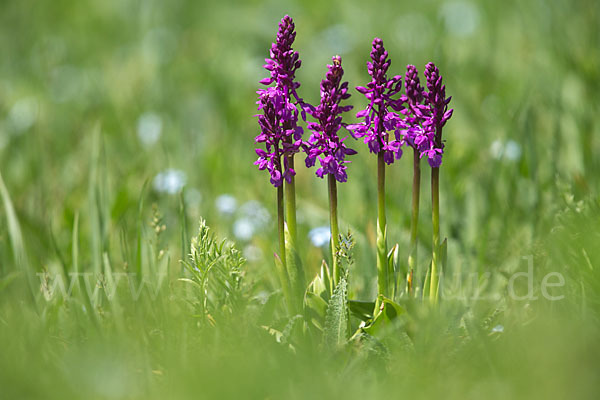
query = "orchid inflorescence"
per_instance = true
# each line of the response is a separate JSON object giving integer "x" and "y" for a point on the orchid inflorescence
{"x": 380, "y": 116}
{"x": 324, "y": 143}
{"x": 391, "y": 121}
{"x": 279, "y": 122}
{"x": 416, "y": 116}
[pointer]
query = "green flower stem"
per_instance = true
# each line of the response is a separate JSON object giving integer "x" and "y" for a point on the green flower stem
{"x": 294, "y": 266}
{"x": 335, "y": 232}
{"x": 281, "y": 263}
{"x": 435, "y": 205}
{"x": 382, "y": 264}
{"x": 414, "y": 222}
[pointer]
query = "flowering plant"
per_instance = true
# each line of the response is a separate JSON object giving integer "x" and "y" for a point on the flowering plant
{"x": 324, "y": 144}
{"x": 279, "y": 121}
{"x": 381, "y": 115}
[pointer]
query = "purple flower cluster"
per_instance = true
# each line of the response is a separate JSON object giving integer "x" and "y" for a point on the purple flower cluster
{"x": 276, "y": 110}
{"x": 425, "y": 114}
{"x": 279, "y": 119}
{"x": 284, "y": 61}
{"x": 381, "y": 115}
{"x": 438, "y": 114}
{"x": 324, "y": 143}
{"x": 411, "y": 129}
{"x": 413, "y": 111}
{"x": 416, "y": 117}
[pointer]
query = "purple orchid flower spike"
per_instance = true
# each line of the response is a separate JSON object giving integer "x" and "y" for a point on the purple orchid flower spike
{"x": 437, "y": 115}
{"x": 274, "y": 113}
{"x": 411, "y": 127}
{"x": 279, "y": 122}
{"x": 284, "y": 61}
{"x": 381, "y": 115}
{"x": 324, "y": 144}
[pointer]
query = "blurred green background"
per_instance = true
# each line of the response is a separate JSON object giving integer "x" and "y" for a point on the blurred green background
{"x": 109, "y": 107}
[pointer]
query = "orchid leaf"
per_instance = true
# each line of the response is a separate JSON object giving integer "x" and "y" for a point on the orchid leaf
{"x": 336, "y": 319}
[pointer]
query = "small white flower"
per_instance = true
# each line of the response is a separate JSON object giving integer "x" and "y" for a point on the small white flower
{"x": 497, "y": 149}
{"x": 226, "y": 204}
{"x": 170, "y": 181}
{"x": 498, "y": 329}
{"x": 510, "y": 150}
{"x": 243, "y": 229}
{"x": 320, "y": 236}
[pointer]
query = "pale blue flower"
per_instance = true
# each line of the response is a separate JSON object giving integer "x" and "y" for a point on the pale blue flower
{"x": 509, "y": 150}
{"x": 170, "y": 181}
{"x": 243, "y": 229}
{"x": 320, "y": 236}
{"x": 226, "y": 204}
{"x": 512, "y": 150}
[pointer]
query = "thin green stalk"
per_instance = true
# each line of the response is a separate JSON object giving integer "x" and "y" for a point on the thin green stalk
{"x": 294, "y": 265}
{"x": 335, "y": 232}
{"x": 414, "y": 222}
{"x": 281, "y": 262}
{"x": 435, "y": 206}
{"x": 382, "y": 264}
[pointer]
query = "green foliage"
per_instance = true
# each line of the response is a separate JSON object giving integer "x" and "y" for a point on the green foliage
{"x": 216, "y": 275}
{"x": 386, "y": 317}
{"x": 336, "y": 317}
{"x": 317, "y": 297}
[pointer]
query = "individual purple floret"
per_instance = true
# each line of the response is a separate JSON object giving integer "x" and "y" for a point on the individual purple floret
{"x": 438, "y": 115}
{"x": 324, "y": 143}
{"x": 279, "y": 121}
{"x": 378, "y": 118}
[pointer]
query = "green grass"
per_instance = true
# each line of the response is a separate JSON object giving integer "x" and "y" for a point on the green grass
{"x": 78, "y": 195}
